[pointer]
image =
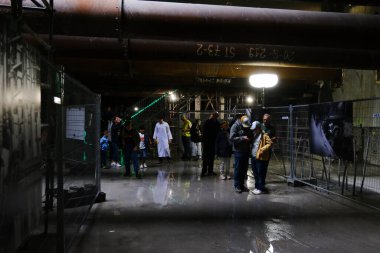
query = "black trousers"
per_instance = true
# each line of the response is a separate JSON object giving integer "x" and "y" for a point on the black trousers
{"x": 208, "y": 158}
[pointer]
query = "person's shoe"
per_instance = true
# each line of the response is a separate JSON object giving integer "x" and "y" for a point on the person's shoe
{"x": 244, "y": 189}
{"x": 141, "y": 166}
{"x": 118, "y": 165}
{"x": 212, "y": 173}
{"x": 238, "y": 189}
{"x": 113, "y": 165}
{"x": 228, "y": 178}
{"x": 126, "y": 175}
{"x": 145, "y": 166}
{"x": 203, "y": 174}
{"x": 222, "y": 177}
{"x": 256, "y": 192}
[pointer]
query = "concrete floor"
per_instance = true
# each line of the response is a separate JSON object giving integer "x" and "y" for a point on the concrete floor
{"x": 172, "y": 209}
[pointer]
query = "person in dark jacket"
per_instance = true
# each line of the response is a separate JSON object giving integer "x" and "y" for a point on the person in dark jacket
{"x": 223, "y": 149}
{"x": 210, "y": 131}
{"x": 131, "y": 142}
{"x": 241, "y": 138}
{"x": 196, "y": 139}
{"x": 116, "y": 141}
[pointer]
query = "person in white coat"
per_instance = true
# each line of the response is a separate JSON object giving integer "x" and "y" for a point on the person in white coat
{"x": 162, "y": 137}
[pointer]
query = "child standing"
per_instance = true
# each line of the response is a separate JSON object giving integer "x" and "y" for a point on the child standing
{"x": 104, "y": 145}
{"x": 144, "y": 145}
{"x": 223, "y": 148}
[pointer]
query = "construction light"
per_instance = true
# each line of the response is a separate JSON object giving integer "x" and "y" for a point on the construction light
{"x": 263, "y": 80}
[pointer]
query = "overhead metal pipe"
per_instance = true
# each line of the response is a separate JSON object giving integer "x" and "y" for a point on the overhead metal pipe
{"x": 251, "y": 25}
{"x": 189, "y": 22}
{"x": 215, "y": 52}
{"x": 259, "y": 54}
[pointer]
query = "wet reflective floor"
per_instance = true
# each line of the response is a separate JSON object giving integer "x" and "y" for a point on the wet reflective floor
{"x": 173, "y": 209}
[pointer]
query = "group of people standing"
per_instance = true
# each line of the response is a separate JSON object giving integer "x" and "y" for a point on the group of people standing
{"x": 193, "y": 136}
{"x": 245, "y": 140}
{"x": 134, "y": 144}
{"x": 251, "y": 140}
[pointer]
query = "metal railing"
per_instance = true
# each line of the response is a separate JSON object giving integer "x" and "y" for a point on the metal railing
{"x": 348, "y": 165}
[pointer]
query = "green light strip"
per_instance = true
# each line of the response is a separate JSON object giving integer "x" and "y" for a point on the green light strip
{"x": 151, "y": 104}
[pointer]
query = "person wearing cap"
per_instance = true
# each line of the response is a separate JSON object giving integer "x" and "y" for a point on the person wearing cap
{"x": 241, "y": 137}
{"x": 261, "y": 144}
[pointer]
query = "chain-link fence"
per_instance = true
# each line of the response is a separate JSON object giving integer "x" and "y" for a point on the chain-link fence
{"x": 330, "y": 146}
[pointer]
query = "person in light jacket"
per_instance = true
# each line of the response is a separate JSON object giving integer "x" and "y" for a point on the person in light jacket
{"x": 261, "y": 144}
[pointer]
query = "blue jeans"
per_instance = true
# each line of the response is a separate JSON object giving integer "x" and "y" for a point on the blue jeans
{"x": 143, "y": 153}
{"x": 259, "y": 168}
{"x": 130, "y": 155}
{"x": 240, "y": 168}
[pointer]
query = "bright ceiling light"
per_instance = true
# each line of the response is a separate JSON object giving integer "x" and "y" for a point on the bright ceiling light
{"x": 263, "y": 80}
{"x": 249, "y": 99}
{"x": 173, "y": 97}
{"x": 136, "y": 109}
{"x": 57, "y": 100}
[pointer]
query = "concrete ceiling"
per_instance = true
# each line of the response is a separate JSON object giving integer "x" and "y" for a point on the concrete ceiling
{"x": 107, "y": 64}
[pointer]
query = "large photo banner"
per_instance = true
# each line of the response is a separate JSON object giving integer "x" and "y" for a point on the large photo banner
{"x": 331, "y": 130}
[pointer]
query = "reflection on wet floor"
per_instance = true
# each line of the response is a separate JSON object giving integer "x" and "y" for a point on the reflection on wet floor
{"x": 173, "y": 209}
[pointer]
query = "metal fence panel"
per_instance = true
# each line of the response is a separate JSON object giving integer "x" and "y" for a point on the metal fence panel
{"x": 359, "y": 176}
{"x": 80, "y": 155}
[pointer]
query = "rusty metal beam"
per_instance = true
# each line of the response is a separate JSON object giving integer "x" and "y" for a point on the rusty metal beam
{"x": 92, "y": 65}
{"x": 141, "y": 68}
{"x": 251, "y": 25}
{"x": 288, "y": 4}
{"x": 216, "y": 52}
{"x": 199, "y": 22}
{"x": 77, "y": 46}
{"x": 256, "y": 54}
{"x": 155, "y": 69}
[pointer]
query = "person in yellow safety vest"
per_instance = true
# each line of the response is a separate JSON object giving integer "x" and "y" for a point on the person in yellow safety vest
{"x": 186, "y": 137}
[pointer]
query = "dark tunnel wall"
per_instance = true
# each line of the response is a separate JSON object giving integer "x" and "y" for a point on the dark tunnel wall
{"x": 20, "y": 139}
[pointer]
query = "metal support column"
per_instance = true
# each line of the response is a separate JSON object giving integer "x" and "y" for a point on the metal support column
{"x": 292, "y": 175}
{"x": 59, "y": 168}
